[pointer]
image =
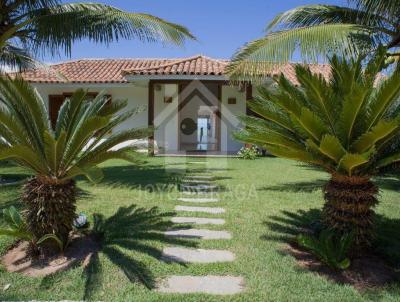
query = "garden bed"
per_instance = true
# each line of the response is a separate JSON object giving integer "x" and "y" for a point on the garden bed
{"x": 18, "y": 259}
{"x": 365, "y": 272}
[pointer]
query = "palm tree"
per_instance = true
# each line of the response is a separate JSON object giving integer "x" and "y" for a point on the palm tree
{"x": 343, "y": 124}
{"x": 320, "y": 30}
{"x": 84, "y": 136}
{"x": 32, "y": 27}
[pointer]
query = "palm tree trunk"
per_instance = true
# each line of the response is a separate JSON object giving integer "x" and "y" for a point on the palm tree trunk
{"x": 50, "y": 207}
{"x": 349, "y": 202}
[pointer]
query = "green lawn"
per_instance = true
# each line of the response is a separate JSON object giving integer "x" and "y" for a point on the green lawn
{"x": 265, "y": 199}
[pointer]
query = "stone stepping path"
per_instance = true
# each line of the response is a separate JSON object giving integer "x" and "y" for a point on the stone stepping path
{"x": 198, "y": 200}
{"x": 209, "y": 210}
{"x": 202, "y": 188}
{"x": 199, "y": 193}
{"x": 199, "y": 187}
{"x": 197, "y": 220}
{"x": 197, "y": 181}
{"x": 217, "y": 285}
{"x": 199, "y": 234}
{"x": 186, "y": 255}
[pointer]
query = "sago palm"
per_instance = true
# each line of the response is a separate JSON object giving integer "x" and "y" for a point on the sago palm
{"x": 318, "y": 30}
{"x": 29, "y": 27}
{"x": 84, "y": 136}
{"x": 343, "y": 124}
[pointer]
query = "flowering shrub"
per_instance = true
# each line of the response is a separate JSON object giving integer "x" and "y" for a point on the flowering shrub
{"x": 248, "y": 153}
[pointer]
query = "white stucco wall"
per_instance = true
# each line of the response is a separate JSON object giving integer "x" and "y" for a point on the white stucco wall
{"x": 137, "y": 95}
{"x": 165, "y": 114}
{"x": 166, "y": 118}
{"x": 230, "y": 113}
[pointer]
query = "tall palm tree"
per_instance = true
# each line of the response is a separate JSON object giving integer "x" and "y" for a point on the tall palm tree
{"x": 32, "y": 27}
{"x": 80, "y": 141}
{"x": 342, "y": 124}
{"x": 320, "y": 30}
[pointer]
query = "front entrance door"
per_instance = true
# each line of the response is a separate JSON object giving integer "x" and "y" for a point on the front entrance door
{"x": 199, "y": 117}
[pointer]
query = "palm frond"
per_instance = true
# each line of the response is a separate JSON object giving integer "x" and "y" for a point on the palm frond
{"x": 15, "y": 59}
{"x": 372, "y": 7}
{"x": 318, "y": 94}
{"x": 300, "y": 155}
{"x": 311, "y": 15}
{"x": 59, "y": 26}
{"x": 258, "y": 58}
{"x": 350, "y": 161}
{"x": 386, "y": 94}
{"x": 26, "y": 105}
{"x": 377, "y": 133}
{"x": 332, "y": 147}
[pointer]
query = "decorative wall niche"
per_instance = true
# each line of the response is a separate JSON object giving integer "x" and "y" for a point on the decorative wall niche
{"x": 170, "y": 92}
{"x": 168, "y": 99}
{"x": 231, "y": 101}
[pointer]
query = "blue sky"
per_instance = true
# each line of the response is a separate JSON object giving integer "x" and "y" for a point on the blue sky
{"x": 221, "y": 27}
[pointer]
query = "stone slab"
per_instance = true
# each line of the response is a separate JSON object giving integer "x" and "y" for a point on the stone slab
{"x": 198, "y": 220}
{"x": 199, "y": 187}
{"x": 215, "y": 285}
{"x": 187, "y": 255}
{"x": 199, "y": 234}
{"x": 198, "y": 200}
{"x": 196, "y": 181}
{"x": 210, "y": 210}
{"x": 199, "y": 193}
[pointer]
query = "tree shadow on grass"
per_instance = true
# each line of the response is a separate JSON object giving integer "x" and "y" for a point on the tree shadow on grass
{"x": 141, "y": 177}
{"x": 310, "y": 167}
{"x": 133, "y": 229}
{"x": 287, "y": 225}
{"x": 154, "y": 178}
{"x": 302, "y": 186}
{"x": 206, "y": 170}
{"x": 388, "y": 183}
{"x": 387, "y": 239}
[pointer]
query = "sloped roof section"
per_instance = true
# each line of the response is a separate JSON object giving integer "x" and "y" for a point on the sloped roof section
{"x": 197, "y": 65}
{"x": 117, "y": 70}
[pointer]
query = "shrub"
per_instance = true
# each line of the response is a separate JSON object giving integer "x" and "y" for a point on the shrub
{"x": 248, "y": 153}
{"x": 17, "y": 227}
{"x": 329, "y": 248}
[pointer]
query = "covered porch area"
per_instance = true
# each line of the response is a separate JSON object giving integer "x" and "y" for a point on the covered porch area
{"x": 195, "y": 117}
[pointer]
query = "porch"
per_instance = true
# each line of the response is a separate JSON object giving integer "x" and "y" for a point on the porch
{"x": 195, "y": 117}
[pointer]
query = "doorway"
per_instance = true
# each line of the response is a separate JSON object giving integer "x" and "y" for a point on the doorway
{"x": 199, "y": 117}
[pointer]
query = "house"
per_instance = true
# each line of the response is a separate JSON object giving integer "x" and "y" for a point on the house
{"x": 189, "y": 101}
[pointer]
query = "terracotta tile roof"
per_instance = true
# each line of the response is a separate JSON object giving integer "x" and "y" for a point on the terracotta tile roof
{"x": 197, "y": 65}
{"x": 116, "y": 70}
